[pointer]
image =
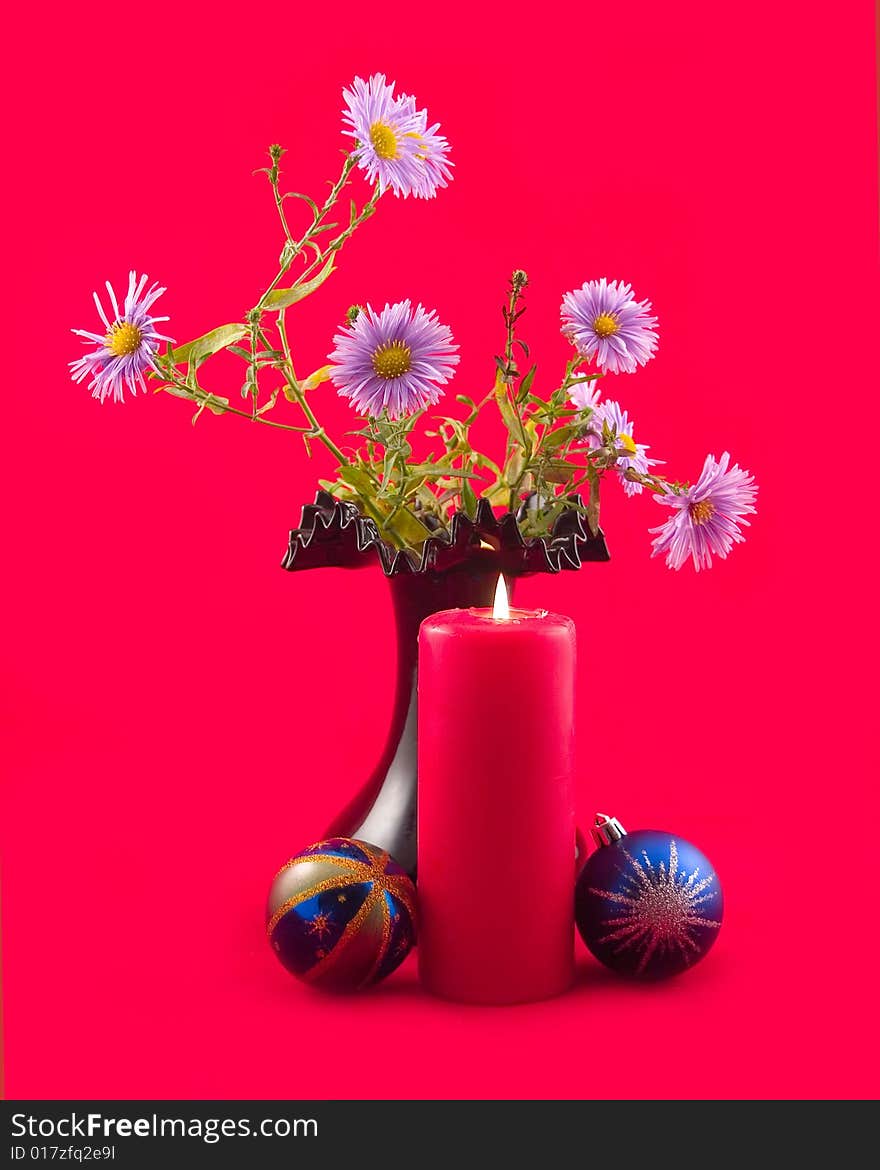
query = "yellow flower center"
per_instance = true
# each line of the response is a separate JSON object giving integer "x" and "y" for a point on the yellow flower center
{"x": 392, "y": 359}
{"x": 702, "y": 511}
{"x": 384, "y": 140}
{"x": 123, "y": 339}
{"x": 605, "y": 325}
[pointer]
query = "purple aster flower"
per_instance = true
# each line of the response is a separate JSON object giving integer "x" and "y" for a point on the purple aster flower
{"x": 618, "y": 421}
{"x": 129, "y": 346}
{"x": 395, "y": 360}
{"x": 394, "y": 143}
{"x": 707, "y": 517}
{"x": 586, "y": 394}
{"x": 604, "y": 322}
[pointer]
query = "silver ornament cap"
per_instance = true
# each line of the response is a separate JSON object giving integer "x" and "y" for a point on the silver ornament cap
{"x": 607, "y": 830}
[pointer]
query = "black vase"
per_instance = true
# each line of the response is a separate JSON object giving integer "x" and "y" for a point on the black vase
{"x": 455, "y": 569}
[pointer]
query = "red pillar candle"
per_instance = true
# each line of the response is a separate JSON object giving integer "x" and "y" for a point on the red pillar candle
{"x": 496, "y": 830}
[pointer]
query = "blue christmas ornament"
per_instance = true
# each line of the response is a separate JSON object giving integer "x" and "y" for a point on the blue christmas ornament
{"x": 341, "y": 914}
{"x": 647, "y": 903}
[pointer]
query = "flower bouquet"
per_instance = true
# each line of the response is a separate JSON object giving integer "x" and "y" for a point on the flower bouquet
{"x": 393, "y": 364}
{"x": 443, "y": 523}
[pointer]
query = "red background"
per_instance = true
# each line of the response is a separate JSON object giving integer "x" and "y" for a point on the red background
{"x": 181, "y": 715}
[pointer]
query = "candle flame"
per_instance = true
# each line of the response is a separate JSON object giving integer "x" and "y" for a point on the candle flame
{"x": 501, "y": 609}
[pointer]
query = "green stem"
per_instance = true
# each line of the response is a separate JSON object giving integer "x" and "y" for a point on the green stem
{"x": 510, "y": 319}
{"x": 317, "y": 431}
{"x": 279, "y": 204}
{"x": 337, "y": 244}
{"x": 285, "y": 344}
{"x": 593, "y": 504}
{"x": 227, "y": 409}
{"x": 296, "y": 248}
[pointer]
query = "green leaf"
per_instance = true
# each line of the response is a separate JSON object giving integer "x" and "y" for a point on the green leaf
{"x": 468, "y": 499}
{"x": 526, "y": 384}
{"x": 212, "y": 402}
{"x": 435, "y": 470}
{"x": 315, "y": 379}
{"x": 499, "y": 497}
{"x": 564, "y": 465}
{"x": 582, "y": 378}
{"x": 195, "y": 352}
{"x": 281, "y": 298}
{"x": 177, "y": 391}
{"x": 405, "y": 526}
{"x": 560, "y": 437}
{"x": 216, "y": 404}
{"x": 400, "y": 524}
{"x": 561, "y": 470}
{"x": 388, "y": 470}
{"x": 305, "y": 199}
{"x": 273, "y": 398}
{"x": 357, "y": 479}
{"x": 513, "y": 424}
{"x": 514, "y": 468}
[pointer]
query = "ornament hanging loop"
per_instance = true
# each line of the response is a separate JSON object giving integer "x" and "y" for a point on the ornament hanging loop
{"x": 607, "y": 830}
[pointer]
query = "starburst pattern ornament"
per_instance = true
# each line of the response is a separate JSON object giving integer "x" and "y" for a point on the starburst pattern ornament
{"x": 648, "y": 904}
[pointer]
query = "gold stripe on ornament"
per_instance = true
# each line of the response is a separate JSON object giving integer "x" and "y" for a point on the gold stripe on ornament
{"x": 401, "y": 888}
{"x": 334, "y": 883}
{"x": 331, "y": 959}
{"x": 356, "y": 872}
{"x": 386, "y": 940}
{"x": 345, "y": 862}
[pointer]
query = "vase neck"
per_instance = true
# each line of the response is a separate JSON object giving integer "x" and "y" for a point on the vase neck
{"x": 384, "y": 811}
{"x": 416, "y": 596}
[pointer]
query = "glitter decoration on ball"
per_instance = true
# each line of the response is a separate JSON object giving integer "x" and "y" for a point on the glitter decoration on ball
{"x": 648, "y": 904}
{"x": 341, "y": 914}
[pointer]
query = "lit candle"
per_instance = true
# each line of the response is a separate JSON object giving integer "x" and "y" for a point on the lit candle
{"x": 496, "y": 803}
